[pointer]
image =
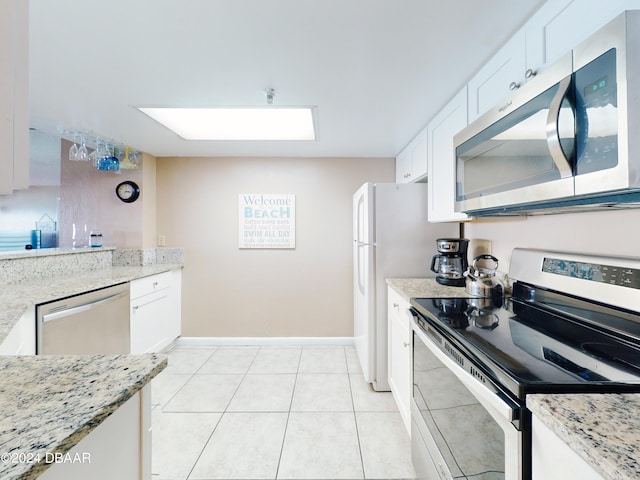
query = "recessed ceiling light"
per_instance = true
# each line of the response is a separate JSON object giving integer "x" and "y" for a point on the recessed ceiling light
{"x": 237, "y": 123}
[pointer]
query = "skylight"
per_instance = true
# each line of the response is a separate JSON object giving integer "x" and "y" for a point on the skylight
{"x": 236, "y": 123}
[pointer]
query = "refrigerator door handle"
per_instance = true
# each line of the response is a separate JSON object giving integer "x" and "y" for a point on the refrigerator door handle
{"x": 359, "y": 243}
{"x": 359, "y": 209}
{"x": 364, "y": 244}
{"x": 359, "y": 281}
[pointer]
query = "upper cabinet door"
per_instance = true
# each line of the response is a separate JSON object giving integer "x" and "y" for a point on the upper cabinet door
{"x": 6, "y": 96}
{"x": 560, "y": 25}
{"x": 14, "y": 122}
{"x": 419, "y": 152}
{"x": 500, "y": 76}
{"x": 21, "y": 94}
{"x": 403, "y": 166}
{"x": 411, "y": 163}
{"x": 442, "y": 160}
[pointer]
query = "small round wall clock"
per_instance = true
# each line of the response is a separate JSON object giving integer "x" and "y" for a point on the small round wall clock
{"x": 128, "y": 191}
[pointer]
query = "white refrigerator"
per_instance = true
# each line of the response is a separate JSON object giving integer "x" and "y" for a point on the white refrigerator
{"x": 391, "y": 238}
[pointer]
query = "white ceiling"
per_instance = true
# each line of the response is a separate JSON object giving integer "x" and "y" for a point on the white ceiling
{"x": 377, "y": 70}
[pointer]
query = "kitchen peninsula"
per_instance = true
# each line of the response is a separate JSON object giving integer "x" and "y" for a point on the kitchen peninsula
{"x": 62, "y": 412}
{"x": 59, "y": 413}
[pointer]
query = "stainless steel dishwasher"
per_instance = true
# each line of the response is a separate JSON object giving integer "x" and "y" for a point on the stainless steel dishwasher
{"x": 92, "y": 323}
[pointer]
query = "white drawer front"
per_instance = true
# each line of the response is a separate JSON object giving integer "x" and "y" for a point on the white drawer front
{"x": 147, "y": 285}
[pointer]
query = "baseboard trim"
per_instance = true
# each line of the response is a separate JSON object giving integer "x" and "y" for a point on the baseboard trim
{"x": 262, "y": 341}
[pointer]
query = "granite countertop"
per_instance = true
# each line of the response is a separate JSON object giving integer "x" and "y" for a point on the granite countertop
{"x": 603, "y": 429}
{"x": 424, "y": 288}
{"x": 50, "y": 403}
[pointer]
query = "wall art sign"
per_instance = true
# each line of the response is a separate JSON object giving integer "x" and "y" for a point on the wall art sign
{"x": 266, "y": 220}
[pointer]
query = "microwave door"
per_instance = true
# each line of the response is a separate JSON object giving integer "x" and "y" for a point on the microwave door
{"x": 522, "y": 157}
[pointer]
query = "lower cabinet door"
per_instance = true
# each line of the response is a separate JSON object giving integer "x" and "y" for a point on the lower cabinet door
{"x": 399, "y": 333}
{"x": 113, "y": 450}
{"x": 150, "y": 322}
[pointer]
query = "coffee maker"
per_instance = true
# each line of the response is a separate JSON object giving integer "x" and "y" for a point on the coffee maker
{"x": 451, "y": 261}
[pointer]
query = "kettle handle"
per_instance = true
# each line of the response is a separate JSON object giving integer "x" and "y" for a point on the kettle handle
{"x": 433, "y": 263}
{"x": 486, "y": 256}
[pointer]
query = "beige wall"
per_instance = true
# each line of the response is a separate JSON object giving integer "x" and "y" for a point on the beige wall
{"x": 148, "y": 198}
{"x": 229, "y": 292}
{"x": 608, "y": 233}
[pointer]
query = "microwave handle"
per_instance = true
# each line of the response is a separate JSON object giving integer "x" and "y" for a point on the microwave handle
{"x": 553, "y": 132}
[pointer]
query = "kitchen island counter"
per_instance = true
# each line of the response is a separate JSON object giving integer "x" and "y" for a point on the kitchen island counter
{"x": 50, "y": 403}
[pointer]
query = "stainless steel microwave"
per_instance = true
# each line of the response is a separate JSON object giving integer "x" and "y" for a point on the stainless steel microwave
{"x": 568, "y": 138}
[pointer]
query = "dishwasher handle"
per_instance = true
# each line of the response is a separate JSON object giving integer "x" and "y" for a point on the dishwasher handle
{"x": 64, "y": 312}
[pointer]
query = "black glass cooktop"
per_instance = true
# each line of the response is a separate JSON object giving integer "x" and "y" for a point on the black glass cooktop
{"x": 550, "y": 345}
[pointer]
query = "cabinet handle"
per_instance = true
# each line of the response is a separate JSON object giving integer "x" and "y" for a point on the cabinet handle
{"x": 407, "y": 344}
{"x": 136, "y": 307}
{"x": 155, "y": 284}
{"x": 514, "y": 86}
{"x": 396, "y": 306}
{"x": 530, "y": 73}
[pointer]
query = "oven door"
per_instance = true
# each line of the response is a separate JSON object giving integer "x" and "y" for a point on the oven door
{"x": 462, "y": 427}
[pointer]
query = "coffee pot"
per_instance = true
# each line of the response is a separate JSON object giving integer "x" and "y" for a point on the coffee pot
{"x": 451, "y": 262}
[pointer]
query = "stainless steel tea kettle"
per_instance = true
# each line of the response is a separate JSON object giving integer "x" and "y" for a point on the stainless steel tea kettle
{"x": 482, "y": 281}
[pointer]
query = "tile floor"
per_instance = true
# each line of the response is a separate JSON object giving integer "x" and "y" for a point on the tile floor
{"x": 273, "y": 413}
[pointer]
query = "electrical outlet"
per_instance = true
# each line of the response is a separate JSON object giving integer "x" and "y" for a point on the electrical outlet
{"x": 162, "y": 240}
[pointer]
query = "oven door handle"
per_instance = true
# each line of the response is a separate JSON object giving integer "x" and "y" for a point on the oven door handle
{"x": 498, "y": 404}
{"x": 509, "y": 410}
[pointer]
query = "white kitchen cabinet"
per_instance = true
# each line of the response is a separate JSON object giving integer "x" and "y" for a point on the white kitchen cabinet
{"x": 21, "y": 340}
{"x": 498, "y": 77}
{"x": 411, "y": 163}
{"x": 403, "y": 166}
{"x": 400, "y": 353}
{"x": 14, "y": 111}
{"x": 442, "y": 159}
{"x": 155, "y": 314}
{"x": 120, "y": 447}
{"x": 553, "y": 30}
{"x": 553, "y": 459}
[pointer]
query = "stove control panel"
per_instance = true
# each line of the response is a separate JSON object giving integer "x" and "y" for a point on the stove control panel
{"x": 595, "y": 272}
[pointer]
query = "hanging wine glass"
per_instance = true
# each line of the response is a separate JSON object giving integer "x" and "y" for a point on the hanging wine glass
{"x": 96, "y": 154}
{"x": 83, "y": 153}
{"x": 73, "y": 151}
{"x": 134, "y": 157}
{"x": 130, "y": 159}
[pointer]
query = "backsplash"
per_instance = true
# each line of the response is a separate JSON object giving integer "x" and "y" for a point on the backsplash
{"x": 16, "y": 267}
{"x": 147, "y": 256}
{"x": 49, "y": 262}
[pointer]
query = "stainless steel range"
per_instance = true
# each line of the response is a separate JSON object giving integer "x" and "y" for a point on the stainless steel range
{"x": 571, "y": 325}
